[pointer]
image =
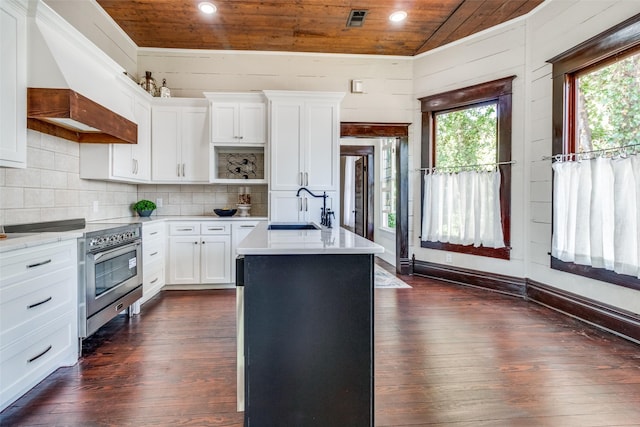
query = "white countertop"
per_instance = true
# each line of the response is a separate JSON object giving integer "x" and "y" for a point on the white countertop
{"x": 262, "y": 241}
{"x": 17, "y": 241}
{"x": 157, "y": 218}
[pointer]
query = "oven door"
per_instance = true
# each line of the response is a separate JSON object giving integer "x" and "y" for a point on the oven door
{"x": 111, "y": 274}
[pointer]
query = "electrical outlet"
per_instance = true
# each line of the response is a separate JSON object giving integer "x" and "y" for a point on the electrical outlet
{"x": 96, "y": 206}
{"x": 448, "y": 258}
{"x": 159, "y": 202}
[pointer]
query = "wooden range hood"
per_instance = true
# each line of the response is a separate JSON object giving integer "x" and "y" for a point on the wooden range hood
{"x": 67, "y": 114}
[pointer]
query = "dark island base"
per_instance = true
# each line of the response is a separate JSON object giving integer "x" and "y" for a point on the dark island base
{"x": 309, "y": 340}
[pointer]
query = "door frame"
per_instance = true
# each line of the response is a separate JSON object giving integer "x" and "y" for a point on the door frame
{"x": 366, "y": 151}
{"x": 400, "y": 131}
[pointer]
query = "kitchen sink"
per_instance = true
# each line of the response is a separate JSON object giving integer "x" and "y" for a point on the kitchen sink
{"x": 293, "y": 226}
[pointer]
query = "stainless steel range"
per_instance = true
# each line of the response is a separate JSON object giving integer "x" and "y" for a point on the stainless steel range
{"x": 109, "y": 274}
{"x": 109, "y": 268}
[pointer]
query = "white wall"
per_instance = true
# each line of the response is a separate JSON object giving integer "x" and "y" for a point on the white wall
{"x": 387, "y": 81}
{"x": 522, "y": 48}
{"x": 557, "y": 27}
{"x": 488, "y": 56}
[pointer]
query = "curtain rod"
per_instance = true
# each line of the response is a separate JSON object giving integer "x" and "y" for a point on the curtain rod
{"x": 561, "y": 157}
{"x": 511, "y": 162}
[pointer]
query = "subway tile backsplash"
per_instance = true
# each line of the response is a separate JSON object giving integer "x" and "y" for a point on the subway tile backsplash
{"x": 201, "y": 199}
{"x": 50, "y": 189}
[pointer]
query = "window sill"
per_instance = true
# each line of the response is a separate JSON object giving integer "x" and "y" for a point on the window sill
{"x": 596, "y": 273}
{"x": 499, "y": 253}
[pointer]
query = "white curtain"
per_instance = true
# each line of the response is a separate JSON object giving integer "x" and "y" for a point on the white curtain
{"x": 349, "y": 191}
{"x": 596, "y": 215}
{"x": 463, "y": 208}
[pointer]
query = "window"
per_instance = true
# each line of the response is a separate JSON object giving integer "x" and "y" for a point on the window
{"x": 467, "y": 136}
{"x": 471, "y": 126}
{"x": 607, "y": 104}
{"x": 388, "y": 184}
{"x": 596, "y": 107}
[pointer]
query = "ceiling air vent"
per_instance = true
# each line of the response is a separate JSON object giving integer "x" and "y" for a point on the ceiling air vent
{"x": 356, "y": 18}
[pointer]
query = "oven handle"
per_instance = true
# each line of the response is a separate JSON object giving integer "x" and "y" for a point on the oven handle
{"x": 117, "y": 251}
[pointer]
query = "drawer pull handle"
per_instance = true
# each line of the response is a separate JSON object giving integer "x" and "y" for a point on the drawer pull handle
{"x": 38, "y": 264}
{"x": 185, "y": 229}
{"x": 119, "y": 307}
{"x": 153, "y": 233}
{"x": 154, "y": 280}
{"x": 30, "y": 306}
{"x": 215, "y": 228}
{"x": 38, "y": 356}
{"x": 155, "y": 253}
{"x": 247, "y": 226}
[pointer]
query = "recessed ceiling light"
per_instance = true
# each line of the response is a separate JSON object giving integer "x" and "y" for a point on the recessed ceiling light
{"x": 398, "y": 16}
{"x": 208, "y": 8}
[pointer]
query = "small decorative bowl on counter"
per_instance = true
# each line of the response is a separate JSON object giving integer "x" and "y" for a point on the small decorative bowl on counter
{"x": 225, "y": 212}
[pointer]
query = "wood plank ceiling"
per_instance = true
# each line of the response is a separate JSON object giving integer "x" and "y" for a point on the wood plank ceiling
{"x": 309, "y": 25}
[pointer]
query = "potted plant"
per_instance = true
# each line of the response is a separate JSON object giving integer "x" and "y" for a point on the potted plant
{"x": 144, "y": 207}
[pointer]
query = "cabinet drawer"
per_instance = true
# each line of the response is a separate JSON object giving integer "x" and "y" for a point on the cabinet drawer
{"x": 152, "y": 251}
{"x": 32, "y": 262}
{"x": 184, "y": 229}
{"x": 26, "y": 306}
{"x": 215, "y": 228}
{"x": 154, "y": 277}
{"x": 153, "y": 231}
{"x": 31, "y": 359}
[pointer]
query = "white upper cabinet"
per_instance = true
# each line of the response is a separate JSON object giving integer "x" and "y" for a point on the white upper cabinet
{"x": 237, "y": 118}
{"x": 123, "y": 162}
{"x": 133, "y": 161}
{"x": 304, "y": 140}
{"x": 180, "y": 141}
{"x": 13, "y": 85}
{"x": 238, "y": 138}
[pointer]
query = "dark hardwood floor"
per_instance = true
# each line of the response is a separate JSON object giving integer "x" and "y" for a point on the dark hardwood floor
{"x": 446, "y": 355}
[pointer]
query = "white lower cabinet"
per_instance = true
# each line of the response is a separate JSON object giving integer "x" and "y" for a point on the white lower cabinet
{"x": 38, "y": 315}
{"x": 153, "y": 256}
{"x": 199, "y": 253}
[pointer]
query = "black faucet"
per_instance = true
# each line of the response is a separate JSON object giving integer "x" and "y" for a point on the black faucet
{"x": 325, "y": 215}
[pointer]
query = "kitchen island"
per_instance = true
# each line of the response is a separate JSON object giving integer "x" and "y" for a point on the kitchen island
{"x": 305, "y": 324}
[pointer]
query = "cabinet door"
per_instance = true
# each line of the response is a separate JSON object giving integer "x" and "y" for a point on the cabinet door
{"x": 141, "y": 152}
{"x": 320, "y": 150}
{"x": 165, "y": 150}
{"x": 13, "y": 87}
{"x": 195, "y": 144}
{"x": 252, "y": 123}
{"x": 215, "y": 262}
{"x": 184, "y": 260}
{"x": 123, "y": 164}
{"x": 284, "y": 206}
{"x": 224, "y": 122}
{"x": 132, "y": 161}
{"x": 286, "y": 120}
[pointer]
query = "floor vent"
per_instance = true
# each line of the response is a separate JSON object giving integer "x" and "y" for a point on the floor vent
{"x": 356, "y": 18}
